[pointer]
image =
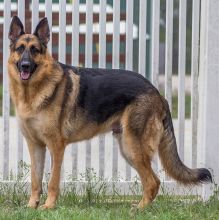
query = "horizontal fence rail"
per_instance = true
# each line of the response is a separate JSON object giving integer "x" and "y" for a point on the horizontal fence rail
{"x": 117, "y": 39}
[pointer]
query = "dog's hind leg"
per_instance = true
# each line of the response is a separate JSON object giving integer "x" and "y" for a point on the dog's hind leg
{"x": 37, "y": 155}
{"x": 138, "y": 151}
{"x": 150, "y": 141}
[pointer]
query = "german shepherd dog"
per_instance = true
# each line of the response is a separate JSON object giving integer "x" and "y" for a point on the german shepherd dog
{"x": 57, "y": 104}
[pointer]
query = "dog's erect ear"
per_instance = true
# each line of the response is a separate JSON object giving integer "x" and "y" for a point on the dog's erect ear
{"x": 42, "y": 31}
{"x": 16, "y": 29}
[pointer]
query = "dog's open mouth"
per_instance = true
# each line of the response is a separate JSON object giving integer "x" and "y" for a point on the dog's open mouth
{"x": 25, "y": 75}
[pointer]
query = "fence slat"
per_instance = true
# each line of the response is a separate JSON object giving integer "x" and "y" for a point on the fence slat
{"x": 62, "y": 46}
{"x": 21, "y": 11}
{"x": 115, "y": 65}
{"x": 168, "y": 58}
{"x": 21, "y": 15}
{"x": 89, "y": 33}
{"x": 75, "y": 32}
{"x": 102, "y": 64}
{"x": 74, "y": 154}
{"x": 35, "y": 14}
{"x": 194, "y": 76}
{"x": 168, "y": 52}
{"x": 155, "y": 55}
{"x": 142, "y": 37}
{"x": 102, "y": 35}
{"x": 62, "y": 31}
{"x": 181, "y": 76}
{"x": 115, "y": 159}
{"x": 6, "y": 97}
{"x": 88, "y": 61}
{"x": 88, "y": 155}
{"x": 208, "y": 138}
{"x": 75, "y": 62}
{"x": 129, "y": 35}
{"x": 101, "y": 156}
{"x": 129, "y": 54}
{"x": 116, "y": 33}
{"x": 48, "y": 13}
{"x": 155, "y": 42}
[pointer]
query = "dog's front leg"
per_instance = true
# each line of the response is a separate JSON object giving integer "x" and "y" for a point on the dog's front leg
{"x": 37, "y": 156}
{"x": 57, "y": 151}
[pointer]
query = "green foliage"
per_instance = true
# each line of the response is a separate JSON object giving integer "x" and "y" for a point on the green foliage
{"x": 175, "y": 105}
{"x": 15, "y": 194}
{"x": 187, "y": 106}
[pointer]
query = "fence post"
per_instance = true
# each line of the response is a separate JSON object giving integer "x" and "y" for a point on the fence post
{"x": 208, "y": 125}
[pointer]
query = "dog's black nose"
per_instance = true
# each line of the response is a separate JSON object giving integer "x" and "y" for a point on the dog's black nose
{"x": 25, "y": 65}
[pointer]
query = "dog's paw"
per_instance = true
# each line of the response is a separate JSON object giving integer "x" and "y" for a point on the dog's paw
{"x": 33, "y": 204}
{"x": 143, "y": 204}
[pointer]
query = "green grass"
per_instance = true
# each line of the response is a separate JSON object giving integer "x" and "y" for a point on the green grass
{"x": 95, "y": 204}
{"x": 68, "y": 207}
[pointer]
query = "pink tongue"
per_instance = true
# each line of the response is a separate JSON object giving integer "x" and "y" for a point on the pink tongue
{"x": 25, "y": 75}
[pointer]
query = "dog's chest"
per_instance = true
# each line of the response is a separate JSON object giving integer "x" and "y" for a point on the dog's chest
{"x": 38, "y": 126}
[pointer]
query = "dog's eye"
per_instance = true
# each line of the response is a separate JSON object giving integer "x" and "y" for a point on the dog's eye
{"x": 34, "y": 50}
{"x": 20, "y": 49}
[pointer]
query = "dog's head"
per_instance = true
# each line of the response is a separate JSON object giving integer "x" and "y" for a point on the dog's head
{"x": 28, "y": 51}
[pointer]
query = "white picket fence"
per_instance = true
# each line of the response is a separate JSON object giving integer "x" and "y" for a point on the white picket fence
{"x": 102, "y": 153}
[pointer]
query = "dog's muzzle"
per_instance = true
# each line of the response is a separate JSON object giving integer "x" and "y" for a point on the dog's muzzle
{"x": 26, "y": 68}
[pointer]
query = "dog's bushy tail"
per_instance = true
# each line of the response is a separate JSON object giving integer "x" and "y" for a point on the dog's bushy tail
{"x": 170, "y": 159}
